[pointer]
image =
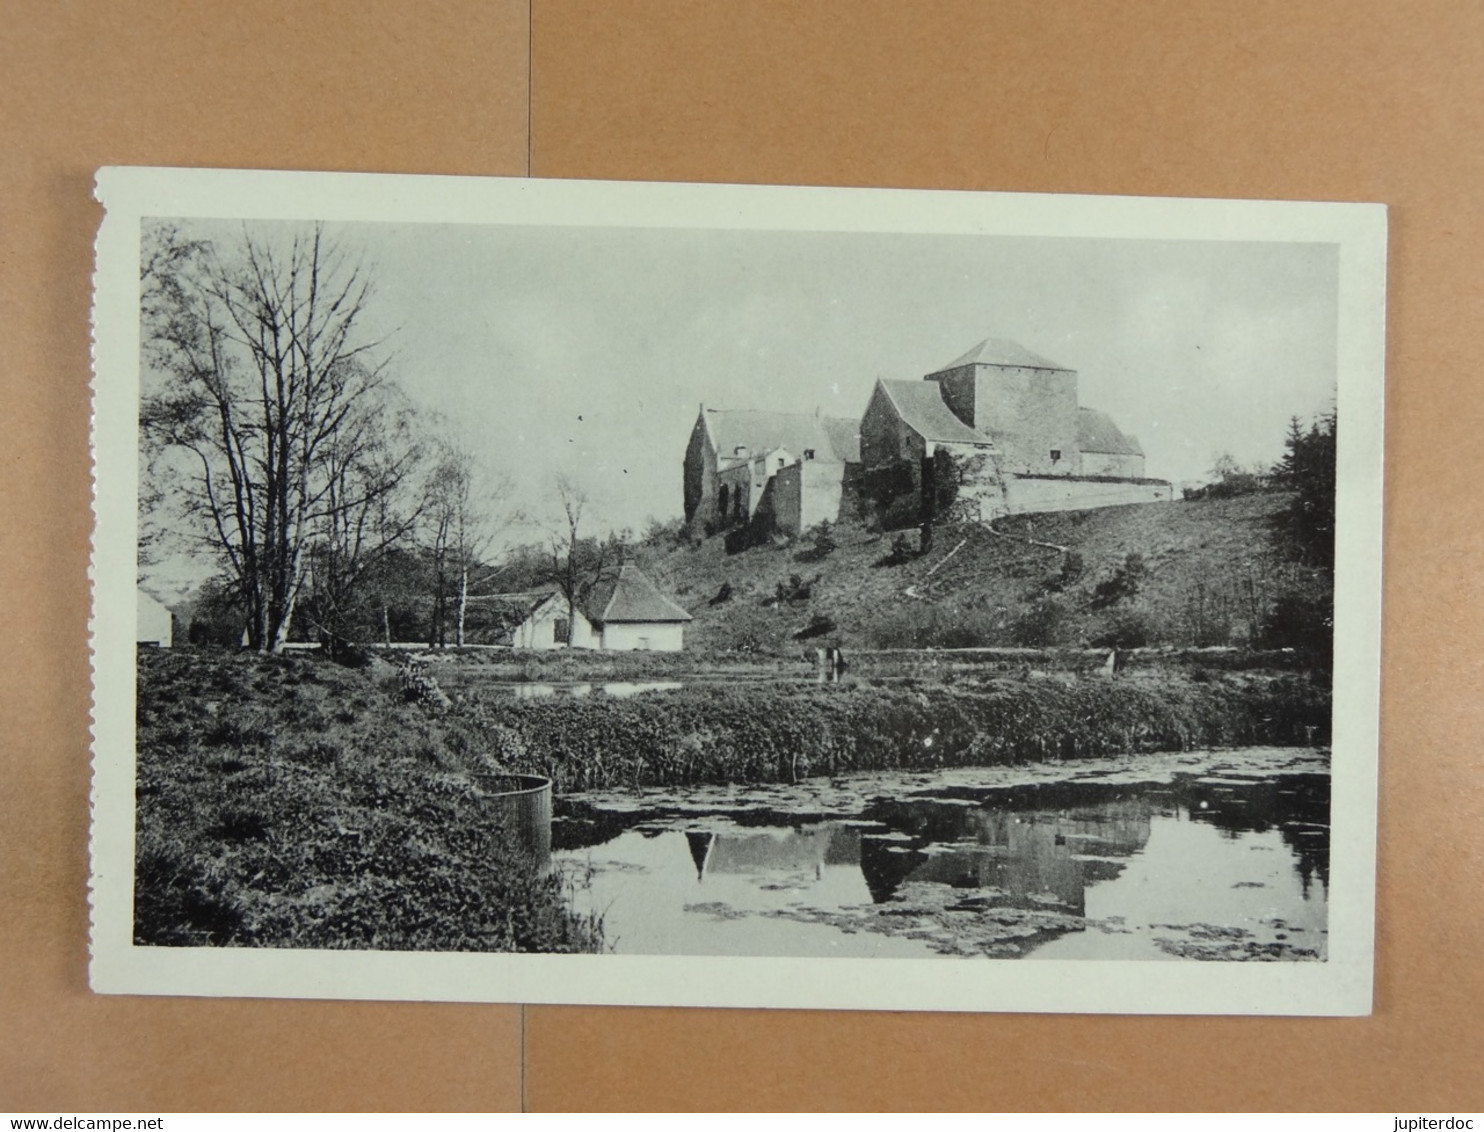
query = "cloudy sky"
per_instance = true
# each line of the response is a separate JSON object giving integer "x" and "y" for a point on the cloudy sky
{"x": 587, "y": 351}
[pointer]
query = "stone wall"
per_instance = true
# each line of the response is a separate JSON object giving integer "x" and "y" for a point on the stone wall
{"x": 699, "y": 481}
{"x": 885, "y": 437}
{"x": 1059, "y": 493}
{"x": 804, "y": 494}
{"x": 966, "y": 484}
{"x": 733, "y": 483}
{"x": 1029, "y": 413}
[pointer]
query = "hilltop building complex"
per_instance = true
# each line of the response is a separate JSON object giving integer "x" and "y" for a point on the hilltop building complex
{"x": 998, "y": 431}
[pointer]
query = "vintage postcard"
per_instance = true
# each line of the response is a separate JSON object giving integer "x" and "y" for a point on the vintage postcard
{"x": 541, "y": 591}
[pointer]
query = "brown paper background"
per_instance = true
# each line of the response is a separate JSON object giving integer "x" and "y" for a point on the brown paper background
{"x": 1327, "y": 99}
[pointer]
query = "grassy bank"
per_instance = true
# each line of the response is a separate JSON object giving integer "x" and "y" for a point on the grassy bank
{"x": 291, "y": 803}
{"x": 780, "y": 733}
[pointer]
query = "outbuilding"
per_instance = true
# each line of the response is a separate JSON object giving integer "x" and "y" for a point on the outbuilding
{"x": 630, "y": 613}
{"x": 539, "y": 620}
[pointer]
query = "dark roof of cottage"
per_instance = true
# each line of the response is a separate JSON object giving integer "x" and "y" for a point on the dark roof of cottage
{"x": 631, "y": 596}
{"x": 920, "y": 405}
{"x": 760, "y": 431}
{"x": 502, "y": 614}
{"x": 1096, "y": 432}
{"x": 1001, "y": 352}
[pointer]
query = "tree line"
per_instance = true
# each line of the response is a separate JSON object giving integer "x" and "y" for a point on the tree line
{"x": 275, "y": 439}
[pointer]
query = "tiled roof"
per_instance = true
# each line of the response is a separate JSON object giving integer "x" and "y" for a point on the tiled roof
{"x": 1096, "y": 432}
{"x": 845, "y": 438}
{"x": 920, "y": 405}
{"x": 631, "y": 597}
{"x": 759, "y": 431}
{"x": 504, "y": 613}
{"x": 1001, "y": 352}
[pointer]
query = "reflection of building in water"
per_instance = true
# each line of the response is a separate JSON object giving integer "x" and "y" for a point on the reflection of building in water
{"x": 807, "y": 849}
{"x": 1033, "y": 857}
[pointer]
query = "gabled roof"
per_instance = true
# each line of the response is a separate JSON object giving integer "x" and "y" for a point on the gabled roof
{"x": 845, "y": 438}
{"x": 920, "y": 405}
{"x": 1096, "y": 432}
{"x": 1001, "y": 352}
{"x": 506, "y": 612}
{"x": 758, "y": 431}
{"x": 631, "y": 596}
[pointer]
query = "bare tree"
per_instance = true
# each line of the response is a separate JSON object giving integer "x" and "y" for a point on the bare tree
{"x": 576, "y": 564}
{"x": 464, "y": 517}
{"x": 265, "y": 408}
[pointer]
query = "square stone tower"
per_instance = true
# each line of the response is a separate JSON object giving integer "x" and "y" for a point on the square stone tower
{"x": 1024, "y": 402}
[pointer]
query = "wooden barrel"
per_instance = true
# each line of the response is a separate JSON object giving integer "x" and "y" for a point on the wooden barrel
{"x": 522, "y": 804}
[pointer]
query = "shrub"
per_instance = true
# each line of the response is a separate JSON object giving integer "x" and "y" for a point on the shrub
{"x": 1303, "y": 622}
{"x": 819, "y": 625}
{"x": 795, "y": 589}
{"x": 1123, "y": 585}
{"x": 821, "y": 539}
{"x": 1045, "y": 624}
{"x": 1129, "y": 629}
{"x": 1068, "y": 575}
{"x": 904, "y": 548}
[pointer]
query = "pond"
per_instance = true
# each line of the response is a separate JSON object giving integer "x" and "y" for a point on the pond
{"x": 1206, "y": 855}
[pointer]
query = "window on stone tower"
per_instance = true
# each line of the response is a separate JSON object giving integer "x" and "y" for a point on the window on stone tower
{"x": 1055, "y": 455}
{"x": 808, "y": 453}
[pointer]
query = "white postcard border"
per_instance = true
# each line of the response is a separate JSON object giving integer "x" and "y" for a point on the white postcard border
{"x": 1339, "y": 986}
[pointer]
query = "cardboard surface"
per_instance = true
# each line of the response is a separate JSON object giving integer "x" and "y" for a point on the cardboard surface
{"x": 328, "y": 86}
{"x": 1328, "y": 100}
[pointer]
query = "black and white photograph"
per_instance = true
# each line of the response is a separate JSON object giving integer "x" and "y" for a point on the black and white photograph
{"x": 738, "y": 596}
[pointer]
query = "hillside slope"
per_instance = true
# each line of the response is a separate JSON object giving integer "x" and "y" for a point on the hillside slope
{"x": 1206, "y": 572}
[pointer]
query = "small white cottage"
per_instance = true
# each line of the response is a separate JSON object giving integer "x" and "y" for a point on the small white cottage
{"x": 539, "y": 620}
{"x": 629, "y": 613}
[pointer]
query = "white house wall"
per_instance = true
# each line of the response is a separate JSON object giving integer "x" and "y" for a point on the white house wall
{"x": 631, "y": 636}
{"x": 538, "y": 631}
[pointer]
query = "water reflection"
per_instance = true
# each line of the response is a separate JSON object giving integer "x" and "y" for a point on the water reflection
{"x": 931, "y": 872}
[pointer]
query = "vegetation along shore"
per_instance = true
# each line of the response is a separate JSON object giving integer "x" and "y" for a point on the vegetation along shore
{"x": 289, "y": 801}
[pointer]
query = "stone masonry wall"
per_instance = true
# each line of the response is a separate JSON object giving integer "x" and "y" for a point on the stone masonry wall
{"x": 1055, "y": 493}
{"x": 806, "y": 493}
{"x": 1032, "y": 413}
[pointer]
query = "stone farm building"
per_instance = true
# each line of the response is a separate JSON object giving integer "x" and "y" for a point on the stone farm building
{"x": 1009, "y": 426}
{"x": 624, "y": 613}
{"x": 1005, "y": 423}
{"x": 790, "y": 468}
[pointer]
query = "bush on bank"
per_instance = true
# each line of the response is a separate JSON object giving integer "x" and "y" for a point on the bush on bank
{"x": 780, "y": 733}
